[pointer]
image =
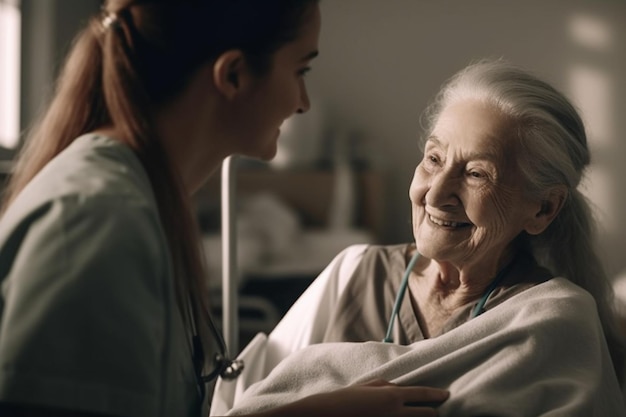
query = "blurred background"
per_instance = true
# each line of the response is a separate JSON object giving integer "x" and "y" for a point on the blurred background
{"x": 343, "y": 169}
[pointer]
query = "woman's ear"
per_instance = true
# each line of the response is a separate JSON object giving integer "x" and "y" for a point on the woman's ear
{"x": 551, "y": 205}
{"x": 229, "y": 73}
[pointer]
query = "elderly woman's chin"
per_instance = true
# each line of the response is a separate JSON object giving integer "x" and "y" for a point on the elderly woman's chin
{"x": 440, "y": 252}
{"x": 443, "y": 245}
{"x": 435, "y": 250}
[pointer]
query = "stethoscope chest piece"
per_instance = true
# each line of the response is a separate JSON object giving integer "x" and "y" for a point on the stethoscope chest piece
{"x": 229, "y": 368}
{"x": 223, "y": 366}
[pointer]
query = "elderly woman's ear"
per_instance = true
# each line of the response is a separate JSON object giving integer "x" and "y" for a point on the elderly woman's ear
{"x": 550, "y": 207}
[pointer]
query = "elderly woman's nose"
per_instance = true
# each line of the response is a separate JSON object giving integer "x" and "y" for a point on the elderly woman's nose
{"x": 443, "y": 189}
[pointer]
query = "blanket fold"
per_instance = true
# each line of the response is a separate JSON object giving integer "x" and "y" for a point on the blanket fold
{"x": 542, "y": 353}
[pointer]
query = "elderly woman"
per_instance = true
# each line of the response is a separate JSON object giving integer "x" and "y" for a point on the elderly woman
{"x": 501, "y": 298}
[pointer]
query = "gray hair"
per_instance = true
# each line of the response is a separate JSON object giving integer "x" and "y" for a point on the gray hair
{"x": 553, "y": 152}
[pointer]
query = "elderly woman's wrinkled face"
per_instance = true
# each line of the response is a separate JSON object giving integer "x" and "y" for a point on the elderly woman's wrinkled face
{"x": 467, "y": 192}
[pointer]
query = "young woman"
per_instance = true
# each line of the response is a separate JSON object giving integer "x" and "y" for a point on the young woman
{"x": 103, "y": 308}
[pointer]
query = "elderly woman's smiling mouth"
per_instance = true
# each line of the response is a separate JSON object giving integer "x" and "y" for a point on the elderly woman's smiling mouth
{"x": 448, "y": 224}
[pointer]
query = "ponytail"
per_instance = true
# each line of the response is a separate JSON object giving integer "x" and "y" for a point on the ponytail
{"x": 579, "y": 262}
{"x": 129, "y": 105}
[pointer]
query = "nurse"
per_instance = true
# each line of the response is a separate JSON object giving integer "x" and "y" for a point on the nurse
{"x": 103, "y": 309}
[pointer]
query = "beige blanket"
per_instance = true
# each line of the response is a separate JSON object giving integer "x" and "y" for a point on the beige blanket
{"x": 539, "y": 354}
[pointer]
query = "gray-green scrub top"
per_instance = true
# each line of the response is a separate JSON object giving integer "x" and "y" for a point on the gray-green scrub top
{"x": 88, "y": 313}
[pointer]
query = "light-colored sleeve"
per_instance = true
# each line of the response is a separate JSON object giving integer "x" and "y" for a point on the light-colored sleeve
{"x": 307, "y": 320}
{"x": 82, "y": 323}
{"x": 304, "y": 324}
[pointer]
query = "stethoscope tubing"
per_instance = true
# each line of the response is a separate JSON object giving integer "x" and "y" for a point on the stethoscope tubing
{"x": 476, "y": 311}
{"x": 400, "y": 296}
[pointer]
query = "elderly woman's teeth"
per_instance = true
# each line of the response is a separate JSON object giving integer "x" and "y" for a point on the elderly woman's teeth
{"x": 444, "y": 223}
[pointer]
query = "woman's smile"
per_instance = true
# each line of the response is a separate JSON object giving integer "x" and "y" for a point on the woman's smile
{"x": 447, "y": 223}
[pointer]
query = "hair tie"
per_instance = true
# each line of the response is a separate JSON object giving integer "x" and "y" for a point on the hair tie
{"x": 110, "y": 21}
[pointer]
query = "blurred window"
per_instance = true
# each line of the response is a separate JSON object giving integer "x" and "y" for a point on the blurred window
{"x": 591, "y": 87}
{"x": 10, "y": 23}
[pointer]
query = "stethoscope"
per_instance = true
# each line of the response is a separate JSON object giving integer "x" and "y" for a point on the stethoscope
{"x": 223, "y": 365}
{"x": 478, "y": 309}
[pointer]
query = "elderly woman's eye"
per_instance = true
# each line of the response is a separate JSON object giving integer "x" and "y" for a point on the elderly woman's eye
{"x": 432, "y": 158}
{"x": 476, "y": 174}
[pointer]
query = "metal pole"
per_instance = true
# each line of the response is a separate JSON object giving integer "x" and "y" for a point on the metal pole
{"x": 230, "y": 278}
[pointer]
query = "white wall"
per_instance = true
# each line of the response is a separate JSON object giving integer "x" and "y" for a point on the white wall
{"x": 382, "y": 60}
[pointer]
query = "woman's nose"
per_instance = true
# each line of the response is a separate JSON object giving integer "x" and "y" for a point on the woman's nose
{"x": 443, "y": 189}
{"x": 305, "y": 103}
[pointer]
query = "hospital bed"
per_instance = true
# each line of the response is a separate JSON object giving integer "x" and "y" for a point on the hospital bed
{"x": 308, "y": 193}
{"x": 230, "y": 309}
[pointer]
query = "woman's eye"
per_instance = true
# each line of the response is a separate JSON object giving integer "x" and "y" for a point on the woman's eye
{"x": 433, "y": 159}
{"x": 477, "y": 174}
{"x": 304, "y": 71}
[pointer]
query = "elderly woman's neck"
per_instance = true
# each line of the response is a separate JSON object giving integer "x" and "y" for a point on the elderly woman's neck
{"x": 438, "y": 289}
{"x": 460, "y": 284}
